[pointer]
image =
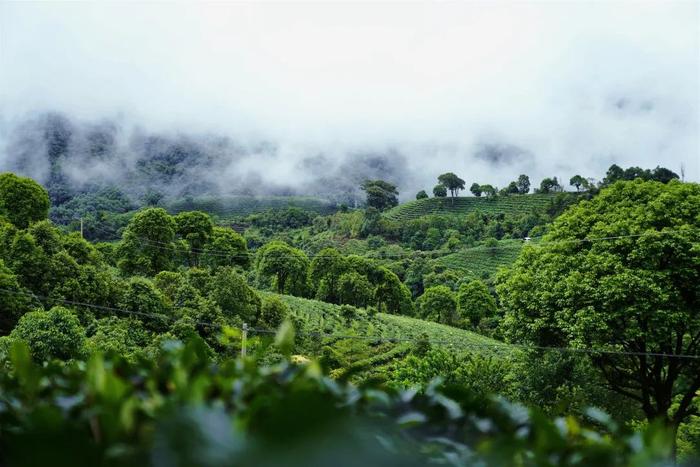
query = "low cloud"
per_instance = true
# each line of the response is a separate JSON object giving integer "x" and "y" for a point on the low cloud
{"x": 312, "y": 98}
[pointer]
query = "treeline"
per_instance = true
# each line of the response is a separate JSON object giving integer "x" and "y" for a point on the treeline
{"x": 452, "y": 183}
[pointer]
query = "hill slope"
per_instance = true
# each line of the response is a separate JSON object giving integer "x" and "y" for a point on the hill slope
{"x": 466, "y": 204}
{"x": 229, "y": 206}
{"x": 328, "y": 319}
{"x": 482, "y": 261}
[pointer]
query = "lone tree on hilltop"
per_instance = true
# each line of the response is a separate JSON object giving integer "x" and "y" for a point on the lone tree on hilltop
{"x": 452, "y": 182}
{"x": 549, "y": 185}
{"x": 578, "y": 181}
{"x": 475, "y": 189}
{"x": 523, "y": 184}
{"x": 381, "y": 194}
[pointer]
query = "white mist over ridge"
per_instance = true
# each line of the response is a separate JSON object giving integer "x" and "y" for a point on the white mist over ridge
{"x": 296, "y": 96}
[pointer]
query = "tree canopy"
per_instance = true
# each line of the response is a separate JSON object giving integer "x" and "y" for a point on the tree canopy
{"x": 636, "y": 292}
{"x": 381, "y": 194}
{"x": 147, "y": 244}
{"x": 452, "y": 182}
{"x": 523, "y": 183}
{"x": 288, "y": 267}
{"x": 439, "y": 191}
{"x": 474, "y": 302}
{"x": 22, "y": 200}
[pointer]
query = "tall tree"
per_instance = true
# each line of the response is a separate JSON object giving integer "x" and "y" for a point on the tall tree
{"x": 474, "y": 302}
{"x": 549, "y": 185}
{"x": 578, "y": 182}
{"x": 196, "y": 228}
{"x": 439, "y": 191}
{"x": 475, "y": 189}
{"x": 286, "y": 265}
{"x": 489, "y": 190}
{"x": 147, "y": 243}
{"x": 636, "y": 295}
{"x": 663, "y": 175}
{"x": 439, "y": 304}
{"x": 226, "y": 247}
{"x": 614, "y": 174}
{"x": 452, "y": 182}
{"x": 381, "y": 194}
{"x": 22, "y": 200}
{"x": 523, "y": 184}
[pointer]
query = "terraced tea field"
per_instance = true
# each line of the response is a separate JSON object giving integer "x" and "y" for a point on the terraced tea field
{"x": 232, "y": 206}
{"x": 466, "y": 204}
{"x": 482, "y": 261}
{"x": 326, "y": 318}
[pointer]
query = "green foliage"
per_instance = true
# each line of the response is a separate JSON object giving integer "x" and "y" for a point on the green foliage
{"x": 438, "y": 304}
{"x": 230, "y": 292}
{"x": 511, "y": 205}
{"x": 196, "y": 228}
{"x": 450, "y": 278}
{"x": 483, "y": 261}
{"x": 422, "y": 195}
{"x": 474, "y": 302}
{"x": 325, "y": 269}
{"x": 182, "y": 407}
{"x": 282, "y": 218}
{"x": 125, "y": 337}
{"x": 480, "y": 375}
{"x": 475, "y": 189}
{"x": 660, "y": 174}
{"x": 22, "y": 200}
{"x": 14, "y": 301}
{"x": 56, "y": 333}
{"x": 226, "y": 248}
{"x": 288, "y": 266}
{"x": 274, "y": 312}
{"x": 391, "y": 295}
{"x": 142, "y": 297}
{"x": 381, "y": 194}
{"x": 489, "y": 190}
{"x": 637, "y": 291}
{"x": 147, "y": 244}
{"x": 237, "y": 206}
{"x": 523, "y": 184}
{"x": 579, "y": 182}
{"x": 354, "y": 289}
{"x": 549, "y": 185}
{"x": 452, "y": 182}
{"x": 439, "y": 191}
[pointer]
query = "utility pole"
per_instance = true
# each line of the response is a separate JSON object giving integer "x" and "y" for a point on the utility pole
{"x": 244, "y": 338}
{"x": 81, "y": 228}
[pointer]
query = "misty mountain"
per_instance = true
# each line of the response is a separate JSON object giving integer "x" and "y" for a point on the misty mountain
{"x": 72, "y": 157}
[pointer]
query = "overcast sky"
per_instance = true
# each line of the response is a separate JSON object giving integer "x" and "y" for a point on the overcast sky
{"x": 575, "y": 86}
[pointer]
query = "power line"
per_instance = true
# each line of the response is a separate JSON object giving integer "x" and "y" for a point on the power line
{"x": 501, "y": 346}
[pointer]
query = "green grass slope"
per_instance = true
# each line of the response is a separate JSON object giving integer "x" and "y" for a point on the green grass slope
{"x": 482, "y": 261}
{"x": 326, "y": 318}
{"x": 464, "y": 205}
{"x": 231, "y": 206}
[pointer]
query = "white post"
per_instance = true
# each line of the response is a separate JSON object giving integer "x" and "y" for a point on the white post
{"x": 244, "y": 337}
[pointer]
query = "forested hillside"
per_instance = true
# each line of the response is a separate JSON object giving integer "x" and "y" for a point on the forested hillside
{"x": 420, "y": 319}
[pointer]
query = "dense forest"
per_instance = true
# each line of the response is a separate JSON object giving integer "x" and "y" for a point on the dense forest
{"x": 558, "y": 327}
